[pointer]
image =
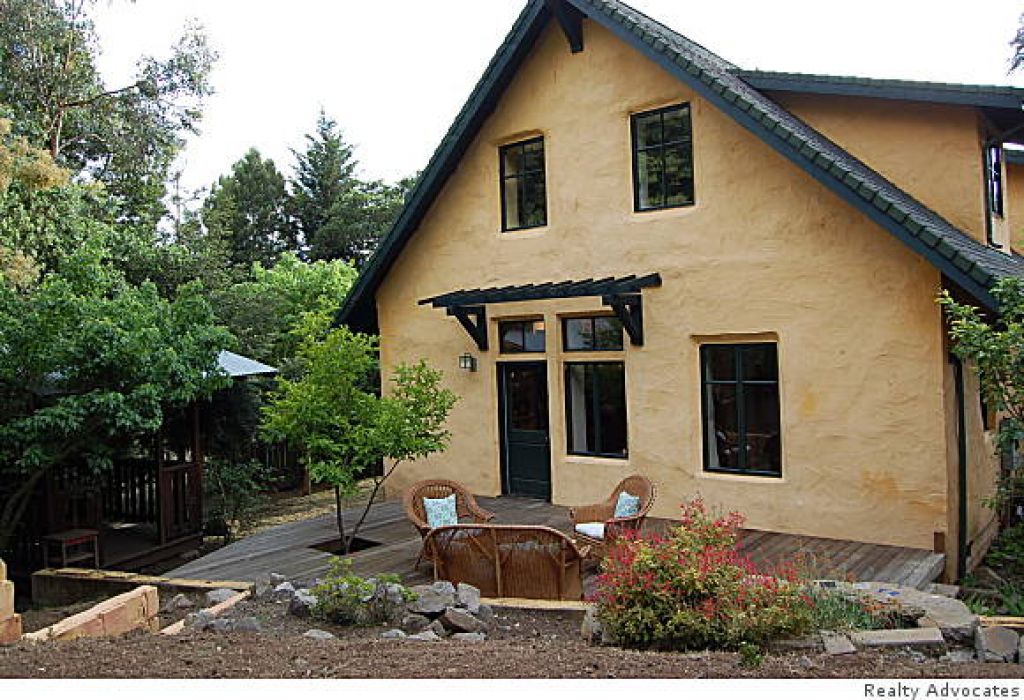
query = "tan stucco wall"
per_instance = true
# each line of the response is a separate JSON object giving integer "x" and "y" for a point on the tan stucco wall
{"x": 766, "y": 251}
{"x": 931, "y": 151}
{"x": 1015, "y": 205}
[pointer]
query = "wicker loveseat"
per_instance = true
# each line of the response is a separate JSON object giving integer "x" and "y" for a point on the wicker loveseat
{"x": 508, "y": 561}
{"x": 596, "y": 525}
{"x": 465, "y": 505}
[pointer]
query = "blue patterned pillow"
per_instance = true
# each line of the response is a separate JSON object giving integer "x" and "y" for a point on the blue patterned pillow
{"x": 627, "y": 506}
{"x": 441, "y": 511}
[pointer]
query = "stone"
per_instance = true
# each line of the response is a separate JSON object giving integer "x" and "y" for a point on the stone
{"x": 468, "y": 597}
{"x": 394, "y": 593}
{"x": 424, "y": 636}
{"x": 220, "y": 595}
{"x": 486, "y": 614}
{"x": 810, "y": 642}
{"x": 473, "y": 637}
{"x": 996, "y": 644}
{"x": 437, "y": 628}
{"x": 248, "y": 624}
{"x": 837, "y": 644}
{"x": 1020, "y": 651}
{"x": 413, "y": 623}
{"x": 277, "y": 579}
{"x": 393, "y": 634}
{"x": 945, "y": 589}
{"x": 958, "y": 656}
{"x": 263, "y": 591}
{"x": 199, "y": 621}
{"x": 178, "y": 602}
{"x": 458, "y": 620}
{"x": 444, "y": 588}
{"x": 284, "y": 591}
{"x": 302, "y": 603}
{"x": 951, "y": 616}
{"x": 221, "y": 625}
{"x": 319, "y": 635}
{"x": 919, "y": 637}
{"x": 429, "y": 602}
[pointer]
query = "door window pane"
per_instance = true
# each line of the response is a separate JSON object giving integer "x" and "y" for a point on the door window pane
{"x": 742, "y": 429}
{"x": 523, "y": 186}
{"x": 596, "y": 408}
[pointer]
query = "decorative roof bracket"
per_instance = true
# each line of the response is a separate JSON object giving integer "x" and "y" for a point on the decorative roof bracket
{"x": 571, "y": 21}
{"x": 474, "y": 320}
{"x": 629, "y": 309}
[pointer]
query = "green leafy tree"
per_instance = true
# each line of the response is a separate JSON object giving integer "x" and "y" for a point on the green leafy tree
{"x": 995, "y": 347}
{"x": 247, "y": 211}
{"x": 358, "y": 221}
{"x": 343, "y": 427}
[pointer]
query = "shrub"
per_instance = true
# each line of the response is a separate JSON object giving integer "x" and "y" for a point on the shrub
{"x": 694, "y": 590}
{"x": 846, "y": 611}
{"x": 233, "y": 496}
{"x": 345, "y": 598}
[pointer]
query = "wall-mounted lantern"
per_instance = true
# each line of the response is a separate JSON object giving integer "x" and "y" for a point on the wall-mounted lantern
{"x": 467, "y": 362}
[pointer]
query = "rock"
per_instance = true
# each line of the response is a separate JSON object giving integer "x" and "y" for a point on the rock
{"x": 263, "y": 591}
{"x": 1020, "y": 651}
{"x": 413, "y": 623}
{"x": 944, "y": 589}
{"x": 393, "y": 634}
{"x": 469, "y": 637}
{"x": 810, "y": 642}
{"x": 429, "y": 602}
{"x": 468, "y": 597}
{"x": 958, "y": 656}
{"x": 394, "y": 593}
{"x": 221, "y": 625}
{"x": 424, "y": 636}
{"x": 277, "y": 579}
{"x": 444, "y": 588}
{"x": 319, "y": 635}
{"x": 458, "y": 620}
{"x": 248, "y": 624}
{"x": 198, "y": 621}
{"x": 178, "y": 602}
{"x": 284, "y": 591}
{"x": 920, "y": 637}
{"x": 219, "y": 596}
{"x": 949, "y": 615}
{"x": 837, "y": 644}
{"x": 437, "y": 628}
{"x": 486, "y": 614}
{"x": 302, "y": 604}
{"x": 592, "y": 629}
{"x": 996, "y": 644}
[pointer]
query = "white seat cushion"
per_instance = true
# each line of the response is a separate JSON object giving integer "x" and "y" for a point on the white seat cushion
{"x": 594, "y": 530}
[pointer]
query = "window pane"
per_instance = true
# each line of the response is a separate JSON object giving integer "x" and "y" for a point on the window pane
{"x": 582, "y": 435}
{"x": 512, "y": 212}
{"x": 648, "y": 130}
{"x": 611, "y": 385}
{"x": 533, "y": 157}
{"x": 534, "y": 336}
{"x": 719, "y": 362}
{"x": 579, "y": 334}
{"x": 607, "y": 333}
{"x": 761, "y": 414}
{"x": 678, "y": 175}
{"x": 534, "y": 212}
{"x": 649, "y": 183}
{"x": 513, "y": 160}
{"x": 677, "y": 124}
{"x": 511, "y": 337}
{"x": 760, "y": 363}
{"x": 721, "y": 424}
{"x": 525, "y": 411}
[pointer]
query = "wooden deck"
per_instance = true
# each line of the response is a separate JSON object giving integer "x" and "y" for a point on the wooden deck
{"x": 289, "y": 549}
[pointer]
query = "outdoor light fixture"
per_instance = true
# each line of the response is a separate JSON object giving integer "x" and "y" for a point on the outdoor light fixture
{"x": 467, "y": 362}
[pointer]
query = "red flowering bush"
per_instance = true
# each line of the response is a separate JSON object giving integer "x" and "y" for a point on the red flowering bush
{"x": 693, "y": 589}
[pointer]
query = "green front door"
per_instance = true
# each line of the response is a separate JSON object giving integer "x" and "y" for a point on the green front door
{"x": 525, "y": 437}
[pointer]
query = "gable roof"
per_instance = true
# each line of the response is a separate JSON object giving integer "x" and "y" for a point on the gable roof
{"x": 968, "y": 263}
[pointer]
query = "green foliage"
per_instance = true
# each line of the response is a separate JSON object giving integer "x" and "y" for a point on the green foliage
{"x": 995, "y": 347}
{"x": 233, "y": 495}
{"x": 1007, "y": 552}
{"x": 842, "y": 611}
{"x": 694, "y": 590}
{"x": 344, "y": 598}
{"x": 751, "y": 655}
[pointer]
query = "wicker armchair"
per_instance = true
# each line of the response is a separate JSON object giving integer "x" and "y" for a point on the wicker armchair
{"x": 509, "y": 561}
{"x": 465, "y": 505}
{"x": 604, "y": 513}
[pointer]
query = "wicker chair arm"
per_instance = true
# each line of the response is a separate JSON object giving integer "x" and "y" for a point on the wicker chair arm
{"x": 479, "y": 514}
{"x": 596, "y": 513}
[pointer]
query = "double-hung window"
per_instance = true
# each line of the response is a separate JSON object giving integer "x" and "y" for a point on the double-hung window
{"x": 523, "y": 189}
{"x": 662, "y": 158}
{"x": 741, "y": 425}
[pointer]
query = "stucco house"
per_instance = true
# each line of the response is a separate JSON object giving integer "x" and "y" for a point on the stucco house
{"x": 630, "y": 255}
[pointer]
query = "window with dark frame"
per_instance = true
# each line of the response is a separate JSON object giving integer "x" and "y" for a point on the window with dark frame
{"x": 591, "y": 333}
{"x": 662, "y": 158}
{"x": 595, "y": 409}
{"x": 740, "y": 415}
{"x": 523, "y": 188}
{"x": 994, "y": 178}
{"x": 521, "y": 336}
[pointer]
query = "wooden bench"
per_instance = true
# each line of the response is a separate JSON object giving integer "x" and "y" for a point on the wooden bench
{"x": 74, "y": 546}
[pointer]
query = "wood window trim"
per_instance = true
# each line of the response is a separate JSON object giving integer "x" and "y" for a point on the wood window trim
{"x": 635, "y": 150}
{"x": 595, "y": 403}
{"x": 739, "y": 383}
{"x": 520, "y": 179}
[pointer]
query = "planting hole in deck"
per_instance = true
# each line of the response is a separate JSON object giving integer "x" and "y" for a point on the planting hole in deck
{"x": 334, "y": 546}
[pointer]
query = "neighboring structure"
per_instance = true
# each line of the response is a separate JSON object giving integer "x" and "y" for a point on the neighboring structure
{"x": 653, "y": 261}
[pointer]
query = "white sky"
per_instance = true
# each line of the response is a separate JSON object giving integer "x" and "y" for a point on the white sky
{"x": 394, "y": 73}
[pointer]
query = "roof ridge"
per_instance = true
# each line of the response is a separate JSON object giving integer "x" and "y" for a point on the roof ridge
{"x": 863, "y": 79}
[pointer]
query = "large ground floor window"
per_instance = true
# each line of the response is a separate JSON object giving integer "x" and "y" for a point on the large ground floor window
{"x": 741, "y": 426}
{"x": 595, "y": 397}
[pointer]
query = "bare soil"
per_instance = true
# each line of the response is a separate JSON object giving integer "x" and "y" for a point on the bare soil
{"x": 523, "y": 644}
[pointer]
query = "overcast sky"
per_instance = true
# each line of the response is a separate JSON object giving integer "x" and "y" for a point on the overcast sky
{"x": 394, "y": 73}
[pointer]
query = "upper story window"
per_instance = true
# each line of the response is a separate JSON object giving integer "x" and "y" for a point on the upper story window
{"x": 523, "y": 190}
{"x": 742, "y": 428}
{"x": 592, "y": 333}
{"x": 521, "y": 336}
{"x": 994, "y": 178}
{"x": 662, "y": 158}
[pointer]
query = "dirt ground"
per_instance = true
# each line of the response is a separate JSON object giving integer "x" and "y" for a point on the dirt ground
{"x": 522, "y": 645}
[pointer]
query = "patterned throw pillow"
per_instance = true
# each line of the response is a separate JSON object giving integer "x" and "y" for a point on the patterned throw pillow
{"x": 441, "y": 511}
{"x": 627, "y": 506}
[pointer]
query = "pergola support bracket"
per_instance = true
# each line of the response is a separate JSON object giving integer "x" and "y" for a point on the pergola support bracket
{"x": 474, "y": 320}
{"x": 629, "y": 309}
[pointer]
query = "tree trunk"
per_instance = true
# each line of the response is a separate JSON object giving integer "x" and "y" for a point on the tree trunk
{"x": 345, "y": 544}
{"x": 377, "y": 483}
